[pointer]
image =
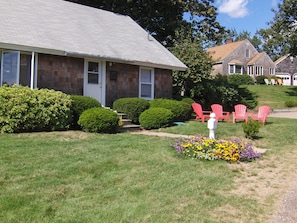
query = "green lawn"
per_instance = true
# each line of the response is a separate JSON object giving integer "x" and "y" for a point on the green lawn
{"x": 82, "y": 177}
{"x": 273, "y": 95}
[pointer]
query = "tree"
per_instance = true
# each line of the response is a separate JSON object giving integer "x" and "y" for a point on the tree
{"x": 281, "y": 37}
{"x": 162, "y": 17}
{"x": 190, "y": 51}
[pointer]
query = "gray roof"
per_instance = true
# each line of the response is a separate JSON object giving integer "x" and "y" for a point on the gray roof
{"x": 65, "y": 28}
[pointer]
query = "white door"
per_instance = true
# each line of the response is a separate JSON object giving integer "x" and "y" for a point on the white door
{"x": 295, "y": 79}
{"x": 94, "y": 80}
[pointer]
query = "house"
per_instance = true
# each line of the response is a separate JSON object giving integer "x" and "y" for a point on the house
{"x": 240, "y": 58}
{"x": 286, "y": 69}
{"x": 82, "y": 50}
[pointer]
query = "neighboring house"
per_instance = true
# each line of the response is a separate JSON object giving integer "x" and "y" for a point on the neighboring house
{"x": 81, "y": 50}
{"x": 240, "y": 58}
{"x": 286, "y": 69}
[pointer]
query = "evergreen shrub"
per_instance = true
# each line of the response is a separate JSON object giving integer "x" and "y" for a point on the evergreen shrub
{"x": 154, "y": 118}
{"x": 133, "y": 107}
{"x": 251, "y": 128}
{"x": 79, "y": 105}
{"x": 23, "y": 109}
{"x": 101, "y": 120}
{"x": 182, "y": 111}
{"x": 240, "y": 79}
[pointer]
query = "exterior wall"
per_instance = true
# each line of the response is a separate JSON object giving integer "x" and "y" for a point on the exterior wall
{"x": 163, "y": 83}
{"x": 239, "y": 54}
{"x": 266, "y": 63}
{"x": 217, "y": 69}
{"x": 122, "y": 80}
{"x": 60, "y": 73}
{"x": 66, "y": 74}
{"x": 286, "y": 66}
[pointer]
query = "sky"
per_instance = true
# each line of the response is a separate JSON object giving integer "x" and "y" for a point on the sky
{"x": 245, "y": 15}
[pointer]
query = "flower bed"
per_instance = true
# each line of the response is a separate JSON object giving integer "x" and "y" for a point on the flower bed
{"x": 200, "y": 147}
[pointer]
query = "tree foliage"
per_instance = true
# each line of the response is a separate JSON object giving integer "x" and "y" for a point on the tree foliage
{"x": 162, "y": 17}
{"x": 281, "y": 37}
{"x": 190, "y": 51}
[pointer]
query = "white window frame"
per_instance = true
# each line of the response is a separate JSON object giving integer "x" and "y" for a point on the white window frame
{"x": 251, "y": 70}
{"x": 150, "y": 83}
{"x": 234, "y": 68}
{"x": 259, "y": 70}
{"x": 33, "y": 71}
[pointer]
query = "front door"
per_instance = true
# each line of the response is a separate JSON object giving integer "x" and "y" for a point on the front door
{"x": 93, "y": 80}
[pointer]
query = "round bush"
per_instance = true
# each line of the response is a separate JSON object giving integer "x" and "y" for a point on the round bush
{"x": 99, "y": 120}
{"x": 188, "y": 100}
{"x": 133, "y": 107}
{"x": 240, "y": 79}
{"x": 24, "y": 110}
{"x": 79, "y": 105}
{"x": 182, "y": 111}
{"x": 154, "y": 118}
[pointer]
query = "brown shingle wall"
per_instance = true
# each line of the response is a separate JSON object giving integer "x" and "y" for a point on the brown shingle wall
{"x": 122, "y": 80}
{"x": 61, "y": 73}
{"x": 163, "y": 83}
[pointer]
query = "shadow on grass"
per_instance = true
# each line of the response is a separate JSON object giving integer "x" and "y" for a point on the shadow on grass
{"x": 292, "y": 91}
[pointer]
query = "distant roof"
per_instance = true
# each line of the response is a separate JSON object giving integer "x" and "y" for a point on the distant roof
{"x": 255, "y": 58}
{"x": 281, "y": 59}
{"x": 66, "y": 28}
{"x": 219, "y": 53}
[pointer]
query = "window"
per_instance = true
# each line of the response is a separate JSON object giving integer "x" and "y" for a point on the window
{"x": 247, "y": 53}
{"x": 271, "y": 71}
{"x": 250, "y": 70}
{"x": 16, "y": 68}
{"x": 259, "y": 70}
{"x": 235, "y": 69}
{"x": 146, "y": 84}
{"x": 93, "y": 74}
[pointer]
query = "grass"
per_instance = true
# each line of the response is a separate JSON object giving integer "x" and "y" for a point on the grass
{"x": 82, "y": 177}
{"x": 274, "y": 96}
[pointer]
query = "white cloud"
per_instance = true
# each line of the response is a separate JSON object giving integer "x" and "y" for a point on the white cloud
{"x": 234, "y": 8}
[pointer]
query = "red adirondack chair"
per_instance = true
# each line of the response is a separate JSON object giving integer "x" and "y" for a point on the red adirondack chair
{"x": 262, "y": 114}
{"x": 200, "y": 114}
{"x": 240, "y": 113}
{"x": 220, "y": 114}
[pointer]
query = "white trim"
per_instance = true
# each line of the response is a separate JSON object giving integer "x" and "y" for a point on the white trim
{"x": 32, "y": 70}
{"x": 152, "y": 83}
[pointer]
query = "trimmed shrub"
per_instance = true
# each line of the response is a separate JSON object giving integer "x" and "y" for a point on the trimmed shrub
{"x": 240, "y": 79}
{"x": 79, "y": 105}
{"x": 99, "y": 120}
{"x": 133, "y": 107}
{"x": 182, "y": 111}
{"x": 23, "y": 109}
{"x": 188, "y": 100}
{"x": 291, "y": 104}
{"x": 155, "y": 118}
